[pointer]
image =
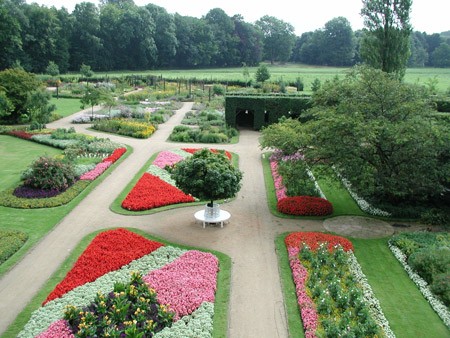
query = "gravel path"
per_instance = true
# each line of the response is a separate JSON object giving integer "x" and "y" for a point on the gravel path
{"x": 256, "y": 302}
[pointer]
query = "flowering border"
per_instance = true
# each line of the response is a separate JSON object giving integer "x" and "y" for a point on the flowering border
{"x": 362, "y": 203}
{"x": 435, "y": 303}
{"x": 307, "y": 307}
{"x": 197, "y": 309}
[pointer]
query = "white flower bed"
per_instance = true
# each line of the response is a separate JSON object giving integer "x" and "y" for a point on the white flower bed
{"x": 435, "y": 303}
{"x": 370, "y": 299}
{"x": 362, "y": 203}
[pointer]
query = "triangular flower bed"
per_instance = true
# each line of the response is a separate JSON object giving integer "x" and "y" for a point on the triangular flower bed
{"x": 152, "y": 192}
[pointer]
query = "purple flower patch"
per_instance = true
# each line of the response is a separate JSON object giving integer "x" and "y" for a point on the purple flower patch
{"x": 27, "y": 192}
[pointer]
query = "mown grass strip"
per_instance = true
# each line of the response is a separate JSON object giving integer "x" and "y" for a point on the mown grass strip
{"x": 407, "y": 311}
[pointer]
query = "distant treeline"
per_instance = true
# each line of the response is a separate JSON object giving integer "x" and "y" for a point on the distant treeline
{"x": 120, "y": 35}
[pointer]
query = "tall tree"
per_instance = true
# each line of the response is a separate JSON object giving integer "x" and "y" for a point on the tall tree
{"x": 11, "y": 19}
{"x": 279, "y": 38}
{"x": 85, "y": 44}
{"x": 222, "y": 27}
{"x": 339, "y": 42}
{"x": 195, "y": 42}
{"x": 17, "y": 85}
{"x": 441, "y": 56}
{"x": 40, "y": 43}
{"x": 419, "y": 54}
{"x": 250, "y": 46}
{"x": 164, "y": 36}
{"x": 385, "y": 44}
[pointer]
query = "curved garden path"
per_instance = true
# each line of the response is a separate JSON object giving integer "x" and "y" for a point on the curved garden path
{"x": 256, "y": 301}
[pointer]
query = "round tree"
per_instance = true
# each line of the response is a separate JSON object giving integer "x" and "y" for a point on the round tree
{"x": 208, "y": 176}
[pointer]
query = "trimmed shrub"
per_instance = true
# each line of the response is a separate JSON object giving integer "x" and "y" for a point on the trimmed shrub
{"x": 305, "y": 206}
{"x": 125, "y": 127}
{"x": 50, "y": 174}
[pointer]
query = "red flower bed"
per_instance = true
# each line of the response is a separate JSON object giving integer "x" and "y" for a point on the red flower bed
{"x": 305, "y": 206}
{"x": 108, "y": 251}
{"x": 193, "y": 150}
{"x": 313, "y": 240}
{"x": 117, "y": 153}
{"x": 20, "y": 134}
{"x": 152, "y": 192}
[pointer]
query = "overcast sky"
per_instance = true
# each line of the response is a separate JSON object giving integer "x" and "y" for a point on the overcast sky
{"x": 431, "y": 16}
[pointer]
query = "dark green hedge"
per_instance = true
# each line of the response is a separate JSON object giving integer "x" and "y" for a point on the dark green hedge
{"x": 267, "y": 109}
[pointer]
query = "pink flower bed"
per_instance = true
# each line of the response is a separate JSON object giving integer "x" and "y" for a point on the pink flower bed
{"x": 307, "y": 308}
{"x": 186, "y": 283}
{"x": 58, "y": 329}
{"x": 167, "y": 158}
{"x": 96, "y": 172}
{"x": 280, "y": 189}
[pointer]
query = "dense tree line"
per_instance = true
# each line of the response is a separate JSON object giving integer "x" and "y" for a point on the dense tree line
{"x": 117, "y": 34}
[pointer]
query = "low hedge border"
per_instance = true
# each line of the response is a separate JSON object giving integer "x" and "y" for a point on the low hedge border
{"x": 8, "y": 199}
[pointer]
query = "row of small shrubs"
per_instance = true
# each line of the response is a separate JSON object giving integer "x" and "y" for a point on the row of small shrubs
{"x": 125, "y": 127}
{"x": 10, "y": 242}
{"x": 428, "y": 253}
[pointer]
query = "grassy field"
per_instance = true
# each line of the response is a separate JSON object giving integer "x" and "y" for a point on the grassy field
{"x": 289, "y": 73}
{"x": 407, "y": 311}
{"x": 221, "y": 299}
{"x": 66, "y": 107}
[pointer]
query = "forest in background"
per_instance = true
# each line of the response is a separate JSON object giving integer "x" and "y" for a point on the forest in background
{"x": 119, "y": 35}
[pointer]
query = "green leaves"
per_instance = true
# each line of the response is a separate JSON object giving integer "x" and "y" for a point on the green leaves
{"x": 207, "y": 176}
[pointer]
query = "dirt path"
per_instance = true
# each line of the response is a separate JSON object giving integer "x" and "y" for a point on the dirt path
{"x": 256, "y": 303}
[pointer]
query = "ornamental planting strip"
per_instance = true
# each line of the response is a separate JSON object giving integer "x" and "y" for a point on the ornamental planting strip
{"x": 435, "y": 303}
{"x": 310, "y": 318}
{"x": 83, "y": 295}
{"x": 185, "y": 283}
{"x": 362, "y": 203}
{"x": 167, "y": 158}
{"x": 96, "y": 172}
{"x": 161, "y": 173}
{"x": 369, "y": 297}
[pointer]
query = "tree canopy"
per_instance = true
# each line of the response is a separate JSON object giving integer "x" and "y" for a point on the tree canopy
{"x": 208, "y": 176}
{"x": 385, "y": 43}
{"x": 378, "y": 132}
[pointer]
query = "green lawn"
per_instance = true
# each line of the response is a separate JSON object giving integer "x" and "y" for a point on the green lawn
{"x": 65, "y": 106}
{"x": 407, "y": 311}
{"x": 220, "y": 304}
{"x": 289, "y": 72}
{"x": 409, "y": 314}
{"x": 17, "y": 155}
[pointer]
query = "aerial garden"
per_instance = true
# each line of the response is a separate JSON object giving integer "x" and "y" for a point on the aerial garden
{"x": 146, "y": 286}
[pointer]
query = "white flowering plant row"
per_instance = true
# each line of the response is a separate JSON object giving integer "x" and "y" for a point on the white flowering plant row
{"x": 362, "y": 203}
{"x": 435, "y": 303}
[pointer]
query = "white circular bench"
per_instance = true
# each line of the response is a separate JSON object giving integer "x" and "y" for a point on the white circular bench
{"x": 222, "y": 217}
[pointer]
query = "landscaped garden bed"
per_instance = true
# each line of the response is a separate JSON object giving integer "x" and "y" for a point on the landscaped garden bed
{"x": 139, "y": 286}
{"x": 156, "y": 188}
{"x": 55, "y": 181}
{"x": 203, "y": 126}
{"x": 333, "y": 294}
